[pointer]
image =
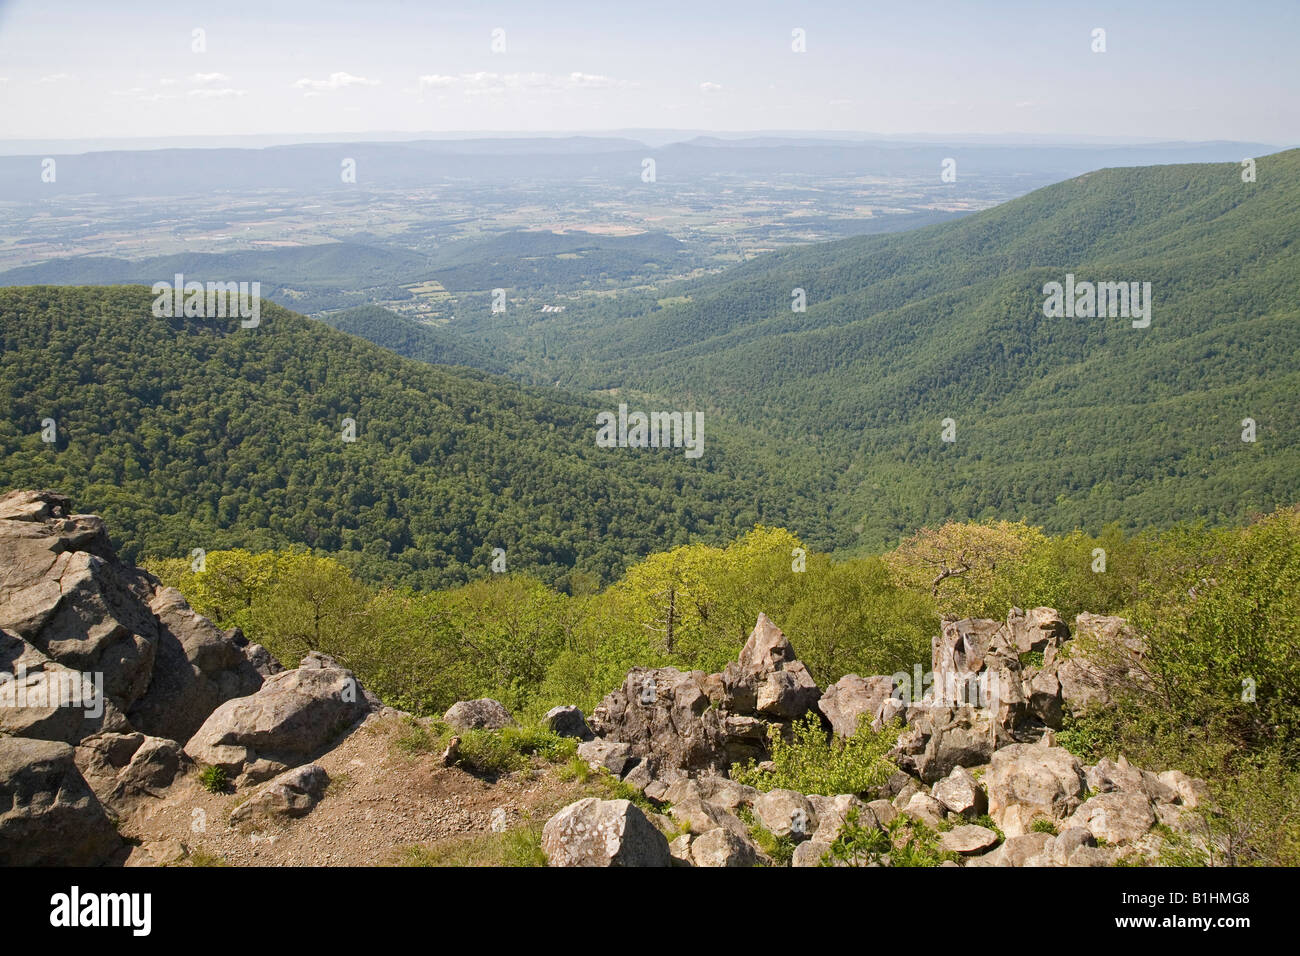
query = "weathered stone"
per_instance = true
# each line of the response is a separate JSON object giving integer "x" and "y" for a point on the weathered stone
{"x": 1120, "y": 816}
{"x": 925, "y": 808}
{"x": 610, "y": 754}
{"x": 1014, "y": 851}
{"x": 292, "y": 794}
{"x": 287, "y": 722}
{"x": 938, "y": 739}
{"x": 1110, "y": 775}
{"x": 119, "y": 767}
{"x": 568, "y": 721}
{"x": 48, "y": 814}
{"x": 1036, "y": 629}
{"x": 786, "y": 813}
{"x": 482, "y": 714}
{"x": 968, "y": 839}
{"x": 1025, "y": 782}
{"x": 961, "y": 793}
{"x": 665, "y": 717}
{"x": 852, "y": 699}
{"x": 768, "y": 678}
{"x": 1191, "y": 791}
{"x": 723, "y": 847}
{"x": 594, "y": 832}
{"x": 680, "y": 850}
{"x": 1106, "y": 655}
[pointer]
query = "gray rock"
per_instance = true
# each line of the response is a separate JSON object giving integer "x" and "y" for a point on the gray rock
{"x": 722, "y": 847}
{"x": 968, "y": 839}
{"x": 610, "y": 754}
{"x": 1025, "y": 782}
{"x": 292, "y": 794}
{"x": 482, "y": 714}
{"x": 961, "y": 793}
{"x": 1120, "y": 816}
{"x": 121, "y": 767}
{"x": 287, "y": 722}
{"x": 852, "y": 699}
{"x": 568, "y": 721}
{"x": 48, "y": 814}
{"x": 594, "y": 832}
{"x": 786, "y": 813}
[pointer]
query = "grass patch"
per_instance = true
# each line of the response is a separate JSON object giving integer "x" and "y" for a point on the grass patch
{"x": 815, "y": 762}
{"x": 213, "y": 779}
{"x": 520, "y": 847}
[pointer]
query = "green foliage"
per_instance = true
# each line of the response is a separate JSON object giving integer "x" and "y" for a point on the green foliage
{"x": 779, "y": 849}
{"x": 1043, "y": 825}
{"x": 815, "y": 762}
{"x": 213, "y": 779}
{"x": 518, "y": 847}
{"x": 904, "y": 842}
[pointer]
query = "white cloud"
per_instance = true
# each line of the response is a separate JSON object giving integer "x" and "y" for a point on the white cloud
{"x": 223, "y": 93}
{"x": 336, "y": 81}
{"x": 710, "y": 87}
{"x": 208, "y": 78}
{"x": 482, "y": 83}
{"x": 55, "y": 78}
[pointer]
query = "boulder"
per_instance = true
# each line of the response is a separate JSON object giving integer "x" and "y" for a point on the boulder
{"x": 786, "y": 813}
{"x": 852, "y": 698}
{"x": 1025, "y": 782}
{"x": 290, "y": 719}
{"x": 1014, "y": 851}
{"x": 1105, "y": 655}
{"x": 723, "y": 847}
{"x": 610, "y": 754}
{"x": 197, "y": 668}
{"x": 1120, "y": 816}
{"x": 939, "y": 739}
{"x": 767, "y": 679}
{"x": 1110, "y": 775}
{"x": 1191, "y": 791}
{"x": 119, "y": 767}
{"x": 961, "y": 793}
{"x": 968, "y": 840}
{"x": 976, "y": 664}
{"x": 594, "y": 832}
{"x": 1036, "y": 629}
{"x": 292, "y": 794}
{"x": 568, "y": 721}
{"x": 482, "y": 714}
{"x": 665, "y": 717}
{"x": 48, "y": 814}
{"x": 44, "y": 699}
{"x": 925, "y": 808}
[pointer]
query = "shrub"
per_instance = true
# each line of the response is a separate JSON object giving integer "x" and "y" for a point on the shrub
{"x": 816, "y": 762}
{"x": 213, "y": 779}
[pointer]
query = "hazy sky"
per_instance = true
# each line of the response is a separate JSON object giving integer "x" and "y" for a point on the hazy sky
{"x": 1176, "y": 70}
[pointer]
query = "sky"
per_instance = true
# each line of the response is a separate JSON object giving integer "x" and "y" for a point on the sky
{"x": 132, "y": 68}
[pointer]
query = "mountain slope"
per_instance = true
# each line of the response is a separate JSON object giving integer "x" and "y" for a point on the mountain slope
{"x": 1064, "y": 421}
{"x": 194, "y": 433}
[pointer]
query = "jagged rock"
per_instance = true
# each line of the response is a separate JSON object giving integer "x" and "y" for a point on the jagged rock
{"x": 196, "y": 669}
{"x": 767, "y": 679}
{"x": 1036, "y": 629}
{"x": 702, "y": 817}
{"x": 638, "y": 774}
{"x": 1024, "y": 782}
{"x": 883, "y": 811}
{"x": 1110, "y": 775}
{"x": 568, "y": 721}
{"x": 63, "y": 591}
{"x": 961, "y": 793}
{"x": 290, "y": 718}
{"x": 594, "y": 832}
{"x": 1062, "y": 846}
{"x": 680, "y": 850}
{"x": 1120, "y": 816}
{"x": 48, "y": 814}
{"x": 119, "y": 767}
{"x": 1105, "y": 655}
{"x": 259, "y": 657}
{"x": 291, "y": 794}
{"x": 482, "y": 714}
{"x": 43, "y": 699}
{"x": 1014, "y": 851}
{"x": 968, "y": 839}
{"x": 610, "y": 754}
{"x": 1157, "y": 790}
{"x": 723, "y": 847}
{"x": 852, "y": 698}
{"x": 939, "y": 739}
{"x": 976, "y": 664}
{"x": 833, "y": 813}
{"x": 786, "y": 813}
{"x": 728, "y": 795}
{"x": 925, "y": 808}
{"x": 1191, "y": 791}
{"x": 665, "y": 717}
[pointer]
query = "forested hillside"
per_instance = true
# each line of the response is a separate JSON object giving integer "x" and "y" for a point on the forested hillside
{"x": 1065, "y": 422}
{"x": 195, "y": 433}
{"x": 410, "y": 338}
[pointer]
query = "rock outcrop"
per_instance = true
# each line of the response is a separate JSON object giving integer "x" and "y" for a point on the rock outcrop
{"x": 594, "y": 832}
